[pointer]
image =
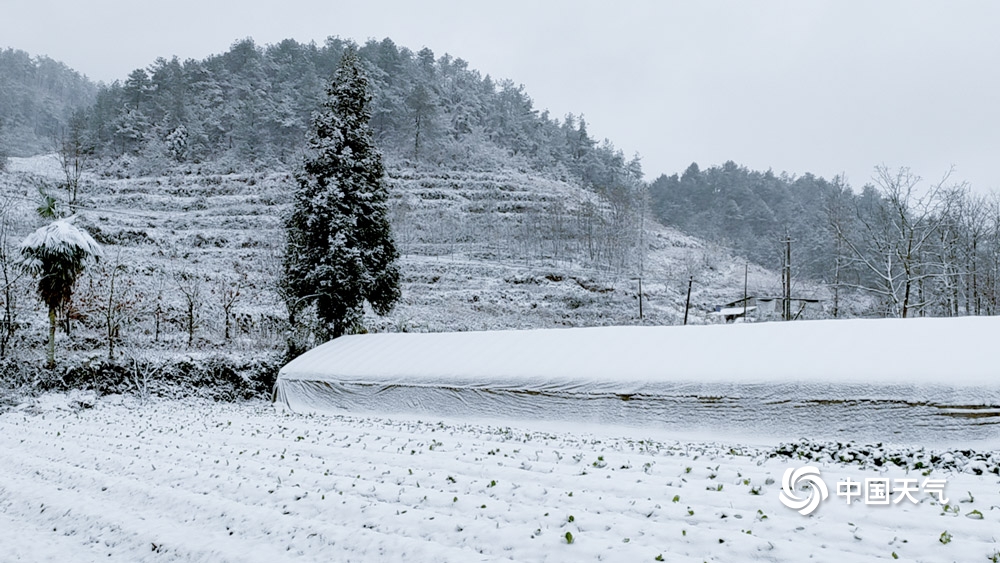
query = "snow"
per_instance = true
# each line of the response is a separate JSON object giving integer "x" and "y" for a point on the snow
{"x": 730, "y": 311}
{"x": 42, "y": 165}
{"x": 886, "y": 351}
{"x": 919, "y": 381}
{"x": 60, "y": 237}
{"x": 109, "y": 479}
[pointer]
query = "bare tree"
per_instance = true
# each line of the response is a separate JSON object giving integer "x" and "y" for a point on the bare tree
{"x": 898, "y": 223}
{"x": 838, "y": 220}
{"x": 949, "y": 251}
{"x": 73, "y": 153}
{"x": 229, "y": 291}
{"x": 189, "y": 286}
{"x": 142, "y": 372}
{"x": 974, "y": 222}
{"x": 119, "y": 301}
{"x": 12, "y": 285}
{"x": 158, "y": 307}
{"x": 993, "y": 251}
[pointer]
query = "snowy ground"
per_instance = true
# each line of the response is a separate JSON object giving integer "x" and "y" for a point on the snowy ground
{"x": 112, "y": 480}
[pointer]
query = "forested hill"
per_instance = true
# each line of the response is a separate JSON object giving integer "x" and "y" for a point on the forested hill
{"x": 751, "y": 212}
{"x": 252, "y": 105}
{"x": 38, "y": 96}
{"x": 917, "y": 247}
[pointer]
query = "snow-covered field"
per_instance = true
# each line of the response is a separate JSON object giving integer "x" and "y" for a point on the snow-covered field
{"x": 109, "y": 479}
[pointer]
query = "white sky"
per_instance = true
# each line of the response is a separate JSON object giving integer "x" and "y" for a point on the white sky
{"x": 822, "y": 87}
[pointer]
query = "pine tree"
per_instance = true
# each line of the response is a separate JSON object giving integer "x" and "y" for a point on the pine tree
{"x": 340, "y": 251}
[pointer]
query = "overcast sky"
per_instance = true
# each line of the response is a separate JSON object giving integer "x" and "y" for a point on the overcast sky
{"x": 822, "y": 87}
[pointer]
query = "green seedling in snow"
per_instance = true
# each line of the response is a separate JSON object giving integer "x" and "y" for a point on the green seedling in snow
{"x": 945, "y": 537}
{"x": 569, "y": 537}
{"x": 571, "y": 518}
{"x": 677, "y": 498}
{"x": 658, "y": 558}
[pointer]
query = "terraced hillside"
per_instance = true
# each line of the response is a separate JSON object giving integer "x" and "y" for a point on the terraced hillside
{"x": 481, "y": 250}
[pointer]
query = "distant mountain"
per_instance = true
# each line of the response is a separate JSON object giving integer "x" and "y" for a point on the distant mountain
{"x": 38, "y": 96}
{"x": 252, "y": 106}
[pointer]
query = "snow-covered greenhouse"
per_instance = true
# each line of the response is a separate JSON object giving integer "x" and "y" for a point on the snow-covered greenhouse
{"x": 754, "y": 377}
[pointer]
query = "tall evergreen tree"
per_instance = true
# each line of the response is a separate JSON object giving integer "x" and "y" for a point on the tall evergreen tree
{"x": 340, "y": 250}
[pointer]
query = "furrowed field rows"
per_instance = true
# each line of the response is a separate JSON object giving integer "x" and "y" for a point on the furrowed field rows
{"x": 168, "y": 481}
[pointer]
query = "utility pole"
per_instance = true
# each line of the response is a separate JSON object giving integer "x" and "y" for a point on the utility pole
{"x": 786, "y": 280}
{"x": 746, "y": 272}
{"x": 687, "y": 305}
{"x": 640, "y": 298}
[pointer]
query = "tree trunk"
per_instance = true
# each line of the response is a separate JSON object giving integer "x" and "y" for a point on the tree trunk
{"x": 51, "y": 352}
{"x": 190, "y": 323}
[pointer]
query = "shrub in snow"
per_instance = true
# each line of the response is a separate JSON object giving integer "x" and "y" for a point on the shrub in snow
{"x": 220, "y": 378}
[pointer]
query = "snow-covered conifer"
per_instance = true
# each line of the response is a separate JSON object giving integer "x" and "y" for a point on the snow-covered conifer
{"x": 340, "y": 252}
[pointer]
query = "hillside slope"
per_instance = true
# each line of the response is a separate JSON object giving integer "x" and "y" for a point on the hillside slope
{"x": 481, "y": 250}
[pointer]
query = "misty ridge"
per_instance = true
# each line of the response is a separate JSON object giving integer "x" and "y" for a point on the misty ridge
{"x": 899, "y": 246}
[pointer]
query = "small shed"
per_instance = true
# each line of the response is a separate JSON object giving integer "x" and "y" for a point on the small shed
{"x": 765, "y": 308}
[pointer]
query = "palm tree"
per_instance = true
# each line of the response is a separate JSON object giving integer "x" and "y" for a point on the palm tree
{"x": 57, "y": 253}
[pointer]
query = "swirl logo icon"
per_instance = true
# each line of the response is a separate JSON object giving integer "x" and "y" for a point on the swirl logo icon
{"x": 789, "y": 495}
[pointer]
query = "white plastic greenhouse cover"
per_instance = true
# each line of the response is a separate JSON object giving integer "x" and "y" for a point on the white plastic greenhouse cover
{"x": 933, "y": 378}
